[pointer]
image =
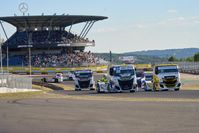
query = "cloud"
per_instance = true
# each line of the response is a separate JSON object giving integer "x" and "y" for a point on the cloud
{"x": 105, "y": 30}
{"x": 196, "y": 21}
{"x": 176, "y": 19}
{"x": 140, "y": 26}
{"x": 181, "y": 18}
{"x": 162, "y": 23}
{"x": 172, "y": 11}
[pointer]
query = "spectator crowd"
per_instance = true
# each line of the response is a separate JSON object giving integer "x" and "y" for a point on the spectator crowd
{"x": 64, "y": 59}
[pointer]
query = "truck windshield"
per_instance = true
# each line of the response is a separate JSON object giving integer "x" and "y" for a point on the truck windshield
{"x": 124, "y": 71}
{"x": 149, "y": 77}
{"x": 83, "y": 75}
{"x": 167, "y": 70}
{"x": 139, "y": 74}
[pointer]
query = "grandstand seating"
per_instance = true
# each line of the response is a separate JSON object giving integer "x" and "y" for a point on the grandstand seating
{"x": 39, "y": 38}
{"x": 53, "y": 60}
{"x": 15, "y": 61}
{"x": 50, "y": 44}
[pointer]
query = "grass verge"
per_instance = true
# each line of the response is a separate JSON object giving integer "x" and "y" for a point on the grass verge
{"x": 30, "y": 94}
{"x": 65, "y": 87}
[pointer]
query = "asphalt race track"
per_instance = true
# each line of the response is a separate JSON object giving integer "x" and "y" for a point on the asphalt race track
{"x": 75, "y": 116}
{"x": 89, "y": 112}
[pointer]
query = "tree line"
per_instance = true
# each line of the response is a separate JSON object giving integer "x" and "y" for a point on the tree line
{"x": 193, "y": 58}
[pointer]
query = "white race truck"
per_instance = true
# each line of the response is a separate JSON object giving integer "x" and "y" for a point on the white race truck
{"x": 122, "y": 78}
{"x": 166, "y": 77}
{"x": 58, "y": 78}
{"x": 83, "y": 79}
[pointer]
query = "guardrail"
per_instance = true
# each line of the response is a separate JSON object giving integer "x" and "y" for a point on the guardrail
{"x": 35, "y": 70}
{"x": 15, "y": 81}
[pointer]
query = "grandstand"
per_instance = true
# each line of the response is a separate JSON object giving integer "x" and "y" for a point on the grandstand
{"x": 49, "y": 41}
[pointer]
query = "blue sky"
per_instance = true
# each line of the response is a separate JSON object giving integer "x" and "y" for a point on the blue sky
{"x": 133, "y": 25}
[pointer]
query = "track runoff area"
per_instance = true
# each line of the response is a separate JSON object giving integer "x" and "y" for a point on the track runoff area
{"x": 87, "y": 111}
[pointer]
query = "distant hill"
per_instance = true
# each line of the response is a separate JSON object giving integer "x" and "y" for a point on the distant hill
{"x": 179, "y": 53}
{"x": 138, "y": 58}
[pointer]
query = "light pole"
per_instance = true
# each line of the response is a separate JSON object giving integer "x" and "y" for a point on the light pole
{"x": 30, "y": 66}
{"x": 1, "y": 42}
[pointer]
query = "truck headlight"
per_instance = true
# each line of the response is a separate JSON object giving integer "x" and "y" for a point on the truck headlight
{"x": 134, "y": 81}
{"x": 115, "y": 81}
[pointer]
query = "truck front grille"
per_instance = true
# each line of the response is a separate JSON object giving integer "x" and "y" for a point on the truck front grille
{"x": 126, "y": 84}
{"x": 170, "y": 82}
{"x": 84, "y": 84}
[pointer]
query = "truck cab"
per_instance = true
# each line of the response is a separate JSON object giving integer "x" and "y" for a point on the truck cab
{"x": 83, "y": 79}
{"x": 123, "y": 78}
{"x": 58, "y": 78}
{"x": 166, "y": 77}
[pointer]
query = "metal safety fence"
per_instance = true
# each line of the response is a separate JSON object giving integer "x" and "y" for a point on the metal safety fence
{"x": 15, "y": 81}
{"x": 188, "y": 67}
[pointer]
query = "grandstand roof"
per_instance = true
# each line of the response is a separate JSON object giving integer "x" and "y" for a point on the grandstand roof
{"x": 50, "y": 20}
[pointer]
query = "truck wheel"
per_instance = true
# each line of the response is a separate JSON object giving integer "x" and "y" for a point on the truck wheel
{"x": 98, "y": 90}
{"x": 92, "y": 89}
{"x": 56, "y": 80}
{"x": 176, "y": 89}
{"x": 132, "y": 91}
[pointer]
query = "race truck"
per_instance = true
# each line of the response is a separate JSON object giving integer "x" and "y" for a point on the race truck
{"x": 148, "y": 80}
{"x": 83, "y": 79}
{"x": 166, "y": 77}
{"x": 123, "y": 78}
{"x": 58, "y": 78}
{"x": 144, "y": 80}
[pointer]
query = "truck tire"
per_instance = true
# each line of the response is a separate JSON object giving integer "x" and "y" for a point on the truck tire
{"x": 56, "y": 80}
{"x": 176, "y": 89}
{"x": 132, "y": 91}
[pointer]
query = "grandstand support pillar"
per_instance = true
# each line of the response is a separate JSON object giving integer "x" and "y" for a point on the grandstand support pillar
{"x": 92, "y": 23}
{"x": 69, "y": 30}
{"x": 7, "y": 51}
{"x": 83, "y": 28}
{"x": 1, "y": 42}
{"x": 49, "y": 31}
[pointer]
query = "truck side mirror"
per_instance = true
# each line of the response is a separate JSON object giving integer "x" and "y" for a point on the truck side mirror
{"x": 111, "y": 72}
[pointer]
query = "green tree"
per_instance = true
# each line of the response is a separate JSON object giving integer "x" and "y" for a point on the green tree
{"x": 172, "y": 59}
{"x": 189, "y": 59}
{"x": 196, "y": 57}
